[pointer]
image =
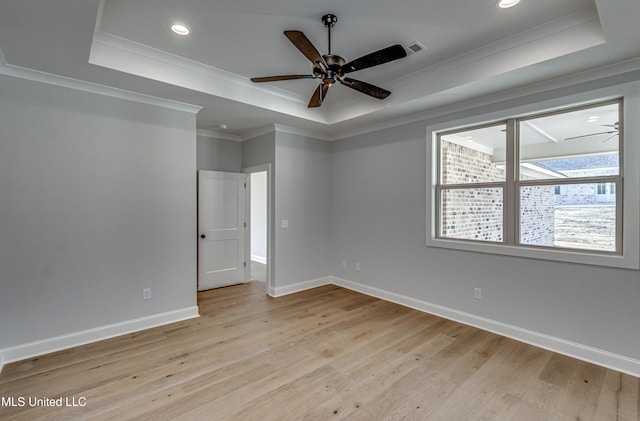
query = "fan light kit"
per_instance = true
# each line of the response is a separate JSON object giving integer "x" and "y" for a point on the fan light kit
{"x": 330, "y": 68}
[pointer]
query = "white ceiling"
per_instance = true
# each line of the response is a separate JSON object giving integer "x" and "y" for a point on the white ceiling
{"x": 473, "y": 48}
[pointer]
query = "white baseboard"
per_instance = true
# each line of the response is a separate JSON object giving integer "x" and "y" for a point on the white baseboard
{"x": 572, "y": 349}
{"x": 259, "y": 259}
{"x": 561, "y": 346}
{"x": 45, "y": 346}
{"x": 300, "y": 286}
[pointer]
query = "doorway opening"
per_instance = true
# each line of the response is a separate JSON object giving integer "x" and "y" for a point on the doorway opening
{"x": 259, "y": 224}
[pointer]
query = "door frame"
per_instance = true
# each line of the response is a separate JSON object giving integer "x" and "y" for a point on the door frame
{"x": 249, "y": 171}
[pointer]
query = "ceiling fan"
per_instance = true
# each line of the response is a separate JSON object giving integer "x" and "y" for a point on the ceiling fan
{"x": 613, "y": 133}
{"x": 329, "y": 68}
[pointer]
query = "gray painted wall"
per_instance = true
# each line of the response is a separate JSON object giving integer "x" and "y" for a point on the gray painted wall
{"x": 378, "y": 219}
{"x": 303, "y": 197}
{"x": 301, "y": 180}
{"x": 97, "y": 202}
{"x": 259, "y": 150}
{"x": 218, "y": 154}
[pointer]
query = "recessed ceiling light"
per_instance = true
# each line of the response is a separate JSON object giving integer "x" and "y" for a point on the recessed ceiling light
{"x": 505, "y": 4}
{"x": 180, "y": 29}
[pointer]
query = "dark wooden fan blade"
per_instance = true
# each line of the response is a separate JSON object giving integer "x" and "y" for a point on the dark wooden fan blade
{"x": 319, "y": 95}
{"x": 376, "y": 58}
{"x": 365, "y": 88}
{"x": 284, "y": 77}
{"x": 305, "y": 46}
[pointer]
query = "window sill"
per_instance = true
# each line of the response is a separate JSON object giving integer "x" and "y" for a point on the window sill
{"x": 569, "y": 256}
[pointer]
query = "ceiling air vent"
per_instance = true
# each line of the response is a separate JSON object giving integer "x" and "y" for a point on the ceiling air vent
{"x": 414, "y": 47}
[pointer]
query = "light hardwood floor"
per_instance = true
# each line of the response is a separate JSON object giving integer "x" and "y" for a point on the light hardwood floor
{"x": 323, "y": 354}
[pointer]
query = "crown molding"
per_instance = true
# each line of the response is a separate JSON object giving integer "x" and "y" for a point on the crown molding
{"x": 566, "y": 81}
{"x": 165, "y": 58}
{"x": 562, "y": 36}
{"x": 280, "y": 128}
{"x": 218, "y": 136}
{"x": 121, "y": 54}
{"x": 566, "y": 35}
{"x": 260, "y": 131}
{"x": 94, "y": 88}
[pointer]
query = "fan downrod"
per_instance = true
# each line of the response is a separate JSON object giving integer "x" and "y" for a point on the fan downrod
{"x": 333, "y": 61}
{"x": 329, "y": 21}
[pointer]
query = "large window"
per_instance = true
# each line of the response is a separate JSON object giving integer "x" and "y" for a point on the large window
{"x": 550, "y": 182}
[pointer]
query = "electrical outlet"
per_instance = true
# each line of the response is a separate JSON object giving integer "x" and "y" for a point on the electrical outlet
{"x": 344, "y": 264}
{"x": 284, "y": 223}
{"x": 357, "y": 267}
{"x": 146, "y": 293}
{"x": 477, "y": 293}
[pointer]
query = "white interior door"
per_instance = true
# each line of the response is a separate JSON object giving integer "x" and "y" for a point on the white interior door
{"x": 221, "y": 225}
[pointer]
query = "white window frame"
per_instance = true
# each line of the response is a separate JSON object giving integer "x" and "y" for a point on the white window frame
{"x": 630, "y": 154}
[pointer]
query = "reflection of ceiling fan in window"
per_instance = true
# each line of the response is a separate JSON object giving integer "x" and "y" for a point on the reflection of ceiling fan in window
{"x": 613, "y": 133}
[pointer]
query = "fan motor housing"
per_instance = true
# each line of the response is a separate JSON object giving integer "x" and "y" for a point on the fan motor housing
{"x": 334, "y": 62}
{"x": 333, "y": 65}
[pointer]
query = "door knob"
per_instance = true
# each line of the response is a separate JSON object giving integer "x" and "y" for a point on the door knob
{"x": 203, "y": 236}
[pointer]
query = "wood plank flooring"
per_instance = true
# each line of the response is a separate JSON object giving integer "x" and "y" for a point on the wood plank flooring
{"x": 323, "y": 354}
